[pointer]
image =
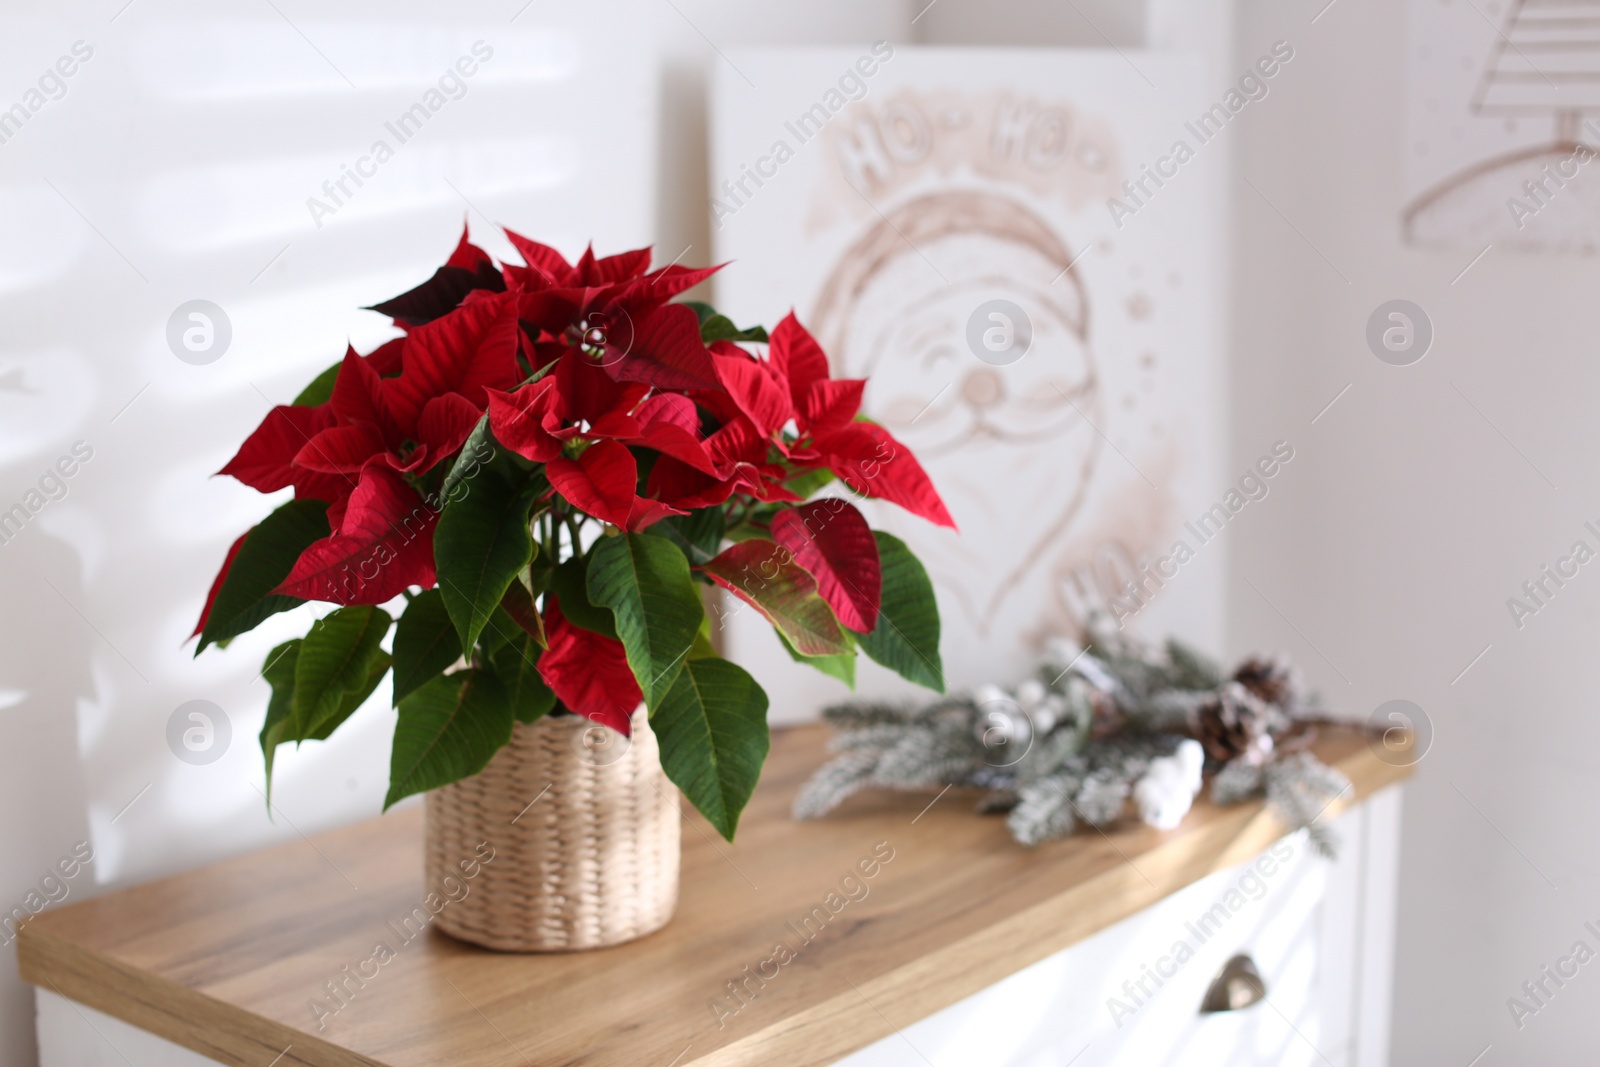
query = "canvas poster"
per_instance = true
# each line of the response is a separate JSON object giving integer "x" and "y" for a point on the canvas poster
{"x": 1501, "y": 132}
{"x": 986, "y": 236}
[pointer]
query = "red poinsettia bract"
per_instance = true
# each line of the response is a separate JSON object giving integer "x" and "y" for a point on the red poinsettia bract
{"x": 602, "y": 404}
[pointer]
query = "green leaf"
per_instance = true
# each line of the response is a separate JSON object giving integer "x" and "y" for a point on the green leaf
{"x": 703, "y": 647}
{"x": 481, "y": 543}
{"x": 425, "y": 643}
{"x": 715, "y": 326}
{"x": 278, "y": 670}
{"x": 808, "y": 484}
{"x": 747, "y": 531}
{"x": 698, "y": 534}
{"x": 721, "y": 328}
{"x": 570, "y": 583}
{"x": 353, "y": 699}
{"x": 842, "y": 666}
{"x": 335, "y": 658}
{"x": 712, "y": 729}
{"x": 645, "y": 582}
{"x": 539, "y": 574}
{"x": 320, "y": 391}
{"x": 516, "y": 664}
{"x": 906, "y": 638}
{"x": 265, "y": 559}
{"x": 498, "y": 630}
{"x": 448, "y": 730}
{"x": 477, "y": 450}
{"x": 766, "y": 576}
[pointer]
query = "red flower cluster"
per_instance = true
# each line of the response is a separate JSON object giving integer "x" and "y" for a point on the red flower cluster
{"x": 591, "y": 370}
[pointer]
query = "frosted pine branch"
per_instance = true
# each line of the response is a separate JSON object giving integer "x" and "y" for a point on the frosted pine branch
{"x": 1099, "y": 731}
{"x": 1301, "y": 788}
{"x": 834, "y": 782}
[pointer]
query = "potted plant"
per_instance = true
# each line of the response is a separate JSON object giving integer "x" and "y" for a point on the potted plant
{"x": 532, "y": 487}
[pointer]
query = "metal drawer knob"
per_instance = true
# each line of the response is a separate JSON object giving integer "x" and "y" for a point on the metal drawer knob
{"x": 1238, "y": 985}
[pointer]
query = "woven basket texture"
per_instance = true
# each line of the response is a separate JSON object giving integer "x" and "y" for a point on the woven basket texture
{"x": 584, "y": 827}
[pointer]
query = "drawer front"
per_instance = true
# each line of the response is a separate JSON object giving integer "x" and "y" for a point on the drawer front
{"x": 1273, "y": 919}
{"x": 1130, "y": 996}
{"x": 71, "y": 1035}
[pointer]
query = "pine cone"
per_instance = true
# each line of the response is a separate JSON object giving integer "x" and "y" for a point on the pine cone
{"x": 1107, "y": 719}
{"x": 1272, "y": 678}
{"x": 1236, "y": 723}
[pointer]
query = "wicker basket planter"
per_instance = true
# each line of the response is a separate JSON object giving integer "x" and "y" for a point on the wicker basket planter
{"x": 584, "y": 827}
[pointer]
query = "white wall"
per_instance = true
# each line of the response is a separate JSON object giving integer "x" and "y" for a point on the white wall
{"x": 1384, "y": 563}
{"x": 177, "y": 165}
{"x": 1392, "y": 551}
{"x": 1389, "y": 552}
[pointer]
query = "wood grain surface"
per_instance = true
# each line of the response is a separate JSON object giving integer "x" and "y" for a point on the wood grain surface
{"x": 232, "y": 960}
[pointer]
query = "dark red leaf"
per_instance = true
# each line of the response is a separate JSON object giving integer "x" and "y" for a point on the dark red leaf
{"x": 660, "y": 348}
{"x": 646, "y": 512}
{"x": 669, "y": 408}
{"x": 545, "y": 262}
{"x": 600, "y": 482}
{"x": 664, "y": 284}
{"x": 264, "y": 461}
{"x": 677, "y": 483}
{"x": 765, "y": 575}
{"x": 762, "y": 398}
{"x": 342, "y": 449}
{"x": 385, "y": 359}
{"x": 874, "y": 464}
{"x": 358, "y": 395}
{"x": 523, "y": 420}
{"x": 518, "y": 603}
{"x": 469, "y": 267}
{"x": 588, "y": 672}
{"x": 830, "y": 404}
{"x": 552, "y": 310}
{"x": 434, "y": 298}
{"x": 831, "y": 540}
{"x": 467, "y": 254}
{"x": 719, "y": 405}
{"x": 588, "y": 393}
{"x": 444, "y": 426}
{"x": 472, "y": 349}
{"x": 317, "y": 485}
{"x": 672, "y": 440}
{"x": 625, "y": 266}
{"x": 383, "y": 545}
{"x": 798, "y": 357}
{"x": 737, "y": 442}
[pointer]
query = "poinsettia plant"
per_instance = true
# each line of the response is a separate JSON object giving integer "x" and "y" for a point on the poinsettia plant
{"x": 542, "y": 474}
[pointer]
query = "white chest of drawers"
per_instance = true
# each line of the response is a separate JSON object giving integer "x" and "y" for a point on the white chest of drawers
{"x": 968, "y": 951}
{"x": 1319, "y": 933}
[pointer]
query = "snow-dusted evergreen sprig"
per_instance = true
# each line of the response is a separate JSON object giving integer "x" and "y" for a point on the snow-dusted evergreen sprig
{"x": 894, "y": 747}
{"x": 1237, "y": 781}
{"x": 1300, "y": 788}
{"x": 1096, "y": 728}
{"x": 1092, "y": 785}
{"x": 839, "y": 778}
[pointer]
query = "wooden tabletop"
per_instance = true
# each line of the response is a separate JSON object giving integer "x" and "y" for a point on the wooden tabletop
{"x": 227, "y": 960}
